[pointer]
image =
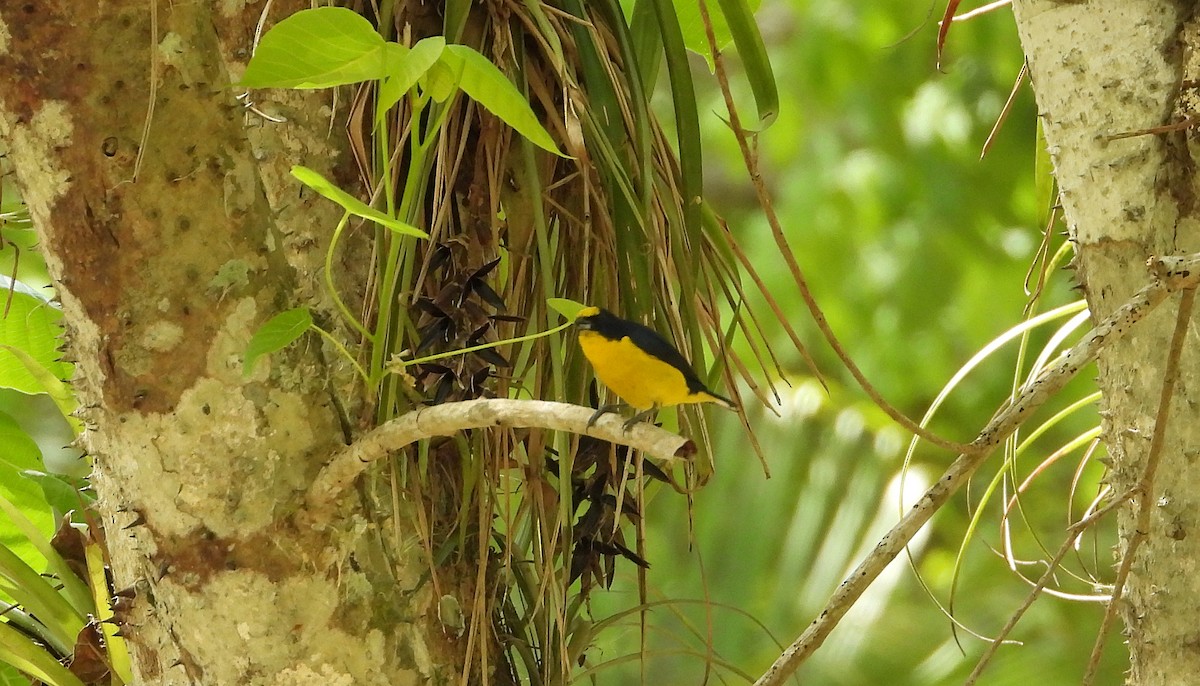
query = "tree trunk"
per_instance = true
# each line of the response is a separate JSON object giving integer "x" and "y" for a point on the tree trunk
{"x": 1100, "y": 70}
{"x": 173, "y": 230}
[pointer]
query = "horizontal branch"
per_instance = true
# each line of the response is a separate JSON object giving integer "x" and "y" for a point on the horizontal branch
{"x": 448, "y": 419}
{"x": 1170, "y": 274}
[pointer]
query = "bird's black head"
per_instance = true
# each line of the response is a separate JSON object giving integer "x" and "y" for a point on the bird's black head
{"x": 597, "y": 319}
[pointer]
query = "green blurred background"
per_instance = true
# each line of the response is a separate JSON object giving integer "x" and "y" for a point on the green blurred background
{"x": 918, "y": 251}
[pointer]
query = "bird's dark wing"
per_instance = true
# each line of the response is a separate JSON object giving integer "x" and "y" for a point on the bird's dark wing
{"x": 649, "y": 340}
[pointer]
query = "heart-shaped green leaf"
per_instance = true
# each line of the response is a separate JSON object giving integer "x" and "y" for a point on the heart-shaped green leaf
{"x": 279, "y": 332}
{"x": 318, "y": 48}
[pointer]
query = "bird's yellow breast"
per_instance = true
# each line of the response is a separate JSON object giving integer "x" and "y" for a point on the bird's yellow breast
{"x": 640, "y": 379}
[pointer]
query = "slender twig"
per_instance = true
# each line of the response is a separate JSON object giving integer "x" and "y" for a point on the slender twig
{"x": 448, "y": 419}
{"x": 750, "y": 160}
{"x": 1171, "y": 274}
{"x": 971, "y": 14}
{"x": 1182, "y": 125}
{"x": 154, "y": 76}
{"x": 1145, "y": 485}
{"x": 1074, "y": 531}
{"x": 1008, "y": 104}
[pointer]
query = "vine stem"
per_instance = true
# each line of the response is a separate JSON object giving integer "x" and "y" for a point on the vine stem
{"x": 481, "y": 346}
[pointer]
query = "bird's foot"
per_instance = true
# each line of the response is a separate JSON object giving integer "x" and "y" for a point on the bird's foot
{"x": 644, "y": 415}
{"x": 600, "y": 412}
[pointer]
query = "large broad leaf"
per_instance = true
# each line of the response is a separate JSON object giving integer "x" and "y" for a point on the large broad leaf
{"x": 33, "y": 327}
{"x": 352, "y": 204}
{"x": 62, "y": 492}
{"x": 20, "y": 453}
{"x": 487, "y": 85}
{"x": 276, "y": 334}
{"x": 49, "y": 383}
{"x": 318, "y": 48}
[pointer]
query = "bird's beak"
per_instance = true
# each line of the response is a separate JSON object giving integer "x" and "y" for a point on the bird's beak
{"x": 584, "y": 324}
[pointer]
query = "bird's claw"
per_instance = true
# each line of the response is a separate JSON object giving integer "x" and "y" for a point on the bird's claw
{"x": 638, "y": 418}
{"x": 600, "y": 412}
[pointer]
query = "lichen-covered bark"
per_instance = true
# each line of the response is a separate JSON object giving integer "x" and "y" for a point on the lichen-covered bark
{"x": 173, "y": 230}
{"x": 1100, "y": 69}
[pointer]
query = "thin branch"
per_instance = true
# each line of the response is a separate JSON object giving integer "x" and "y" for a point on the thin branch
{"x": 1183, "y": 125}
{"x": 1008, "y": 104}
{"x": 1171, "y": 274}
{"x": 1145, "y": 485}
{"x": 448, "y": 419}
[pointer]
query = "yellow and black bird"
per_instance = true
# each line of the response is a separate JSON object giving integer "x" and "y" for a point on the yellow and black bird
{"x": 638, "y": 365}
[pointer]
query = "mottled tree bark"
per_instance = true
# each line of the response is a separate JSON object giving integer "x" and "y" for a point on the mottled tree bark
{"x": 1101, "y": 69}
{"x": 173, "y": 230}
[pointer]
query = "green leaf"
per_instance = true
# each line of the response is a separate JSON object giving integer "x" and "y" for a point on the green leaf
{"x": 691, "y": 24}
{"x": 755, "y": 61}
{"x": 406, "y": 67}
{"x": 440, "y": 82}
{"x": 9, "y": 676}
{"x": 117, "y": 649}
{"x": 487, "y": 85}
{"x": 646, "y": 39}
{"x": 40, "y": 597}
{"x": 21, "y": 652}
{"x": 276, "y": 334}
{"x": 48, "y": 382}
{"x": 318, "y": 48}
{"x": 1043, "y": 176}
{"x": 32, "y": 326}
{"x": 62, "y": 492}
{"x": 454, "y": 17}
{"x": 21, "y": 453}
{"x": 351, "y": 204}
{"x": 568, "y": 308}
{"x": 16, "y": 522}
{"x": 19, "y": 448}
{"x": 687, "y": 125}
{"x": 732, "y": 21}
